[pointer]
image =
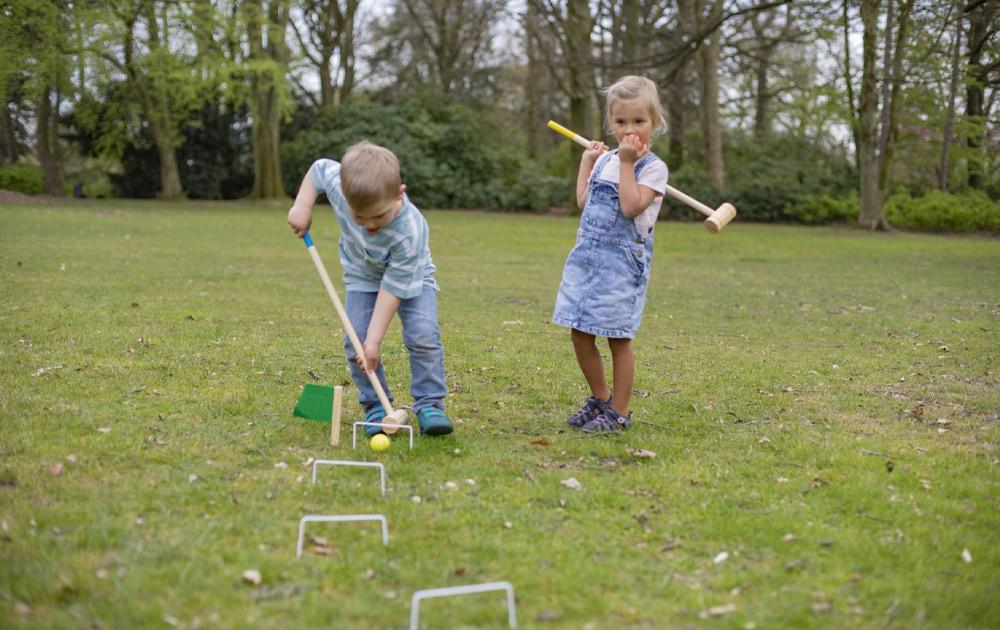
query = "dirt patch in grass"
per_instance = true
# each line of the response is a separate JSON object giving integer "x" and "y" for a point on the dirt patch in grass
{"x": 12, "y": 197}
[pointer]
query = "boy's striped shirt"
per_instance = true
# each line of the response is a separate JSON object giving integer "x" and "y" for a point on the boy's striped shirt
{"x": 397, "y": 258}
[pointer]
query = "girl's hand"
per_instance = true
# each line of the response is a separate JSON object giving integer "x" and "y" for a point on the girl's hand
{"x": 372, "y": 355}
{"x": 594, "y": 151}
{"x": 631, "y": 148}
{"x": 300, "y": 218}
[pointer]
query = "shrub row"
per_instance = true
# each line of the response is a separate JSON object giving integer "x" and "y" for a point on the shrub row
{"x": 24, "y": 178}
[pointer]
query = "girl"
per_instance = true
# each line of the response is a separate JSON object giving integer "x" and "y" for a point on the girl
{"x": 604, "y": 281}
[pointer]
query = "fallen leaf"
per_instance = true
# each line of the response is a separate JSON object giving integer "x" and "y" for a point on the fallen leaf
{"x": 192, "y": 478}
{"x": 572, "y": 483}
{"x": 793, "y": 565}
{"x": 966, "y": 556}
{"x": 508, "y": 525}
{"x": 889, "y": 465}
{"x": 281, "y": 465}
{"x": 56, "y": 468}
{"x": 642, "y": 453}
{"x": 720, "y": 558}
{"x": 20, "y": 608}
{"x": 782, "y": 479}
{"x": 789, "y": 537}
{"x": 451, "y": 485}
{"x": 104, "y": 430}
{"x": 717, "y": 611}
{"x": 821, "y": 607}
{"x": 318, "y": 540}
{"x": 252, "y": 576}
{"x": 548, "y": 615}
{"x": 458, "y": 570}
{"x": 415, "y": 499}
{"x": 540, "y": 442}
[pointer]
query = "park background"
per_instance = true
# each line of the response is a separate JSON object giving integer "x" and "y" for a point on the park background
{"x": 878, "y": 113}
{"x": 816, "y": 406}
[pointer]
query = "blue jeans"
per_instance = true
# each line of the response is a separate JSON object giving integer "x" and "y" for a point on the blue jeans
{"x": 422, "y": 339}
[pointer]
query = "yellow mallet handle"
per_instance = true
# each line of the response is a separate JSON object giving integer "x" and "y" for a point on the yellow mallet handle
{"x": 577, "y": 138}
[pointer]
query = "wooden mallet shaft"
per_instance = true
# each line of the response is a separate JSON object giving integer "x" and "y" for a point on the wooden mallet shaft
{"x": 717, "y": 219}
{"x": 392, "y": 416}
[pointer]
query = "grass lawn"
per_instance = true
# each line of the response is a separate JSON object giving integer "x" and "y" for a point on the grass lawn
{"x": 823, "y": 405}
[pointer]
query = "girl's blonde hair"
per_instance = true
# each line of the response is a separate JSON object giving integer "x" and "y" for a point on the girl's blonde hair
{"x": 632, "y": 88}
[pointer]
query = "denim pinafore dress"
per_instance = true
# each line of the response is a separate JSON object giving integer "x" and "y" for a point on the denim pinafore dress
{"x": 603, "y": 288}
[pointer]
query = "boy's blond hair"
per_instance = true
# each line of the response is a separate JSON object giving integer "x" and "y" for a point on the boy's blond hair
{"x": 369, "y": 176}
{"x": 631, "y": 88}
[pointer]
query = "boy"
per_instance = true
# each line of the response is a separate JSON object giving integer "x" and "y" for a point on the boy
{"x": 387, "y": 266}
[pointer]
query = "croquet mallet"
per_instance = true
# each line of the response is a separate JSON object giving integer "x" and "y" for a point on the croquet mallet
{"x": 393, "y": 416}
{"x": 717, "y": 219}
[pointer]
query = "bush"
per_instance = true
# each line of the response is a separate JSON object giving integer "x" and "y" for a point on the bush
{"x": 766, "y": 180}
{"x": 823, "y": 209}
{"x": 23, "y": 178}
{"x": 967, "y": 212}
{"x": 450, "y": 155}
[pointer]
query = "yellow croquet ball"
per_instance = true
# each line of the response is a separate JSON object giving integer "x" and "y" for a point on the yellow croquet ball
{"x": 379, "y": 442}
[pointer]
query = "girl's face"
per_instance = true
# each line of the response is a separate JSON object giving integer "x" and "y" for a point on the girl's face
{"x": 631, "y": 117}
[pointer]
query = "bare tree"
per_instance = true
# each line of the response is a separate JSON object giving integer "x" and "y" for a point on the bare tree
{"x": 447, "y": 43}
{"x": 326, "y": 37}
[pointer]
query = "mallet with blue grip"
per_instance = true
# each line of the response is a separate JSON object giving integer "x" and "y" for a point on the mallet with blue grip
{"x": 717, "y": 219}
{"x": 397, "y": 416}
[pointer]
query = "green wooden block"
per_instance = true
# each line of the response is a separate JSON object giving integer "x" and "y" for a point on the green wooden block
{"x": 315, "y": 403}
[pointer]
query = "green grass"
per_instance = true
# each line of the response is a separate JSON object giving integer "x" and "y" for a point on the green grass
{"x": 782, "y": 374}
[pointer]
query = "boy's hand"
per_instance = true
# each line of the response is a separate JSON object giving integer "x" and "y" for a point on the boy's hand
{"x": 594, "y": 151}
{"x": 631, "y": 148}
{"x": 369, "y": 362}
{"x": 300, "y": 218}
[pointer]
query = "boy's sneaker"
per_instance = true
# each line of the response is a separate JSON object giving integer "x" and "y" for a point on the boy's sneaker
{"x": 609, "y": 421}
{"x": 433, "y": 420}
{"x": 374, "y": 412}
{"x": 592, "y": 407}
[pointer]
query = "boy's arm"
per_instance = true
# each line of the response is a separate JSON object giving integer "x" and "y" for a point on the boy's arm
{"x": 587, "y": 162}
{"x": 634, "y": 199}
{"x": 386, "y": 305}
{"x": 300, "y": 215}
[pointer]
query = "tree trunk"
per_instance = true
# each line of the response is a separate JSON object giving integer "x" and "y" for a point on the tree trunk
{"x": 8, "y": 143}
{"x": 532, "y": 89}
{"x": 267, "y": 43}
{"x": 578, "y": 29}
{"x": 852, "y": 109}
{"x": 872, "y": 214}
{"x": 887, "y": 147}
{"x": 949, "y": 122}
{"x": 980, "y": 18}
{"x": 711, "y": 128}
{"x": 762, "y": 114}
{"x": 43, "y": 144}
{"x": 629, "y": 36}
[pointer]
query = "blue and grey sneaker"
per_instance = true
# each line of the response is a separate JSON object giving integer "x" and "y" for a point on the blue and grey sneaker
{"x": 374, "y": 412}
{"x": 592, "y": 407}
{"x": 433, "y": 420}
{"x": 609, "y": 421}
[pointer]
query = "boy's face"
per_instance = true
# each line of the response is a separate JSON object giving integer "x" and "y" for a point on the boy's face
{"x": 375, "y": 218}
